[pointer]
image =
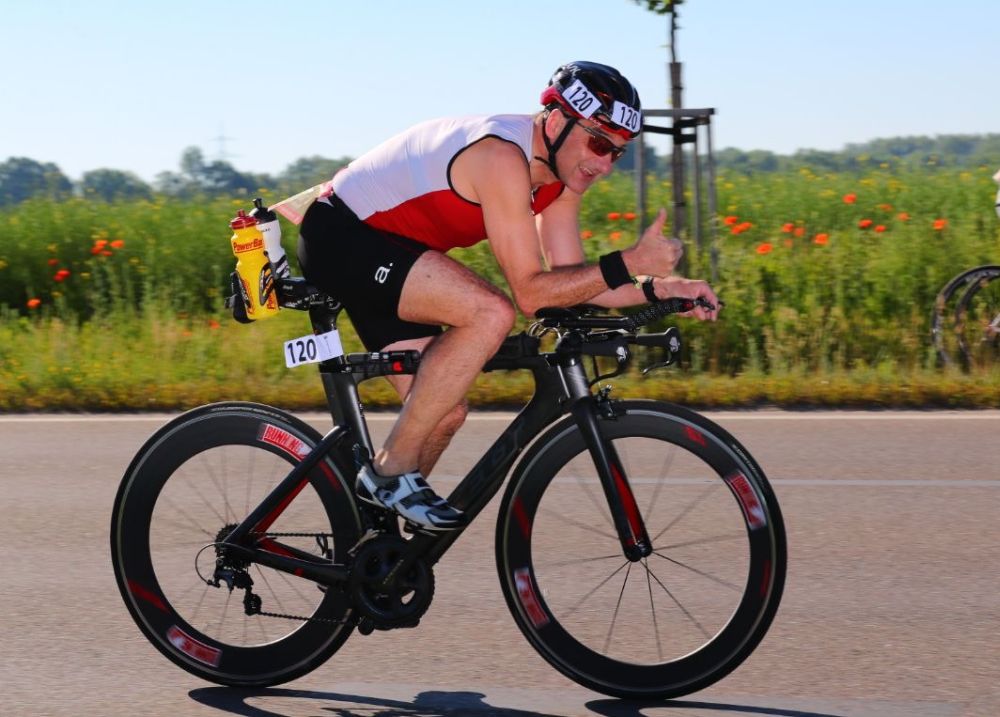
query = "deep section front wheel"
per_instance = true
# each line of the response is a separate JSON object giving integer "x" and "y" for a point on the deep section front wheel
{"x": 675, "y": 621}
{"x": 977, "y": 320}
{"x": 186, "y": 489}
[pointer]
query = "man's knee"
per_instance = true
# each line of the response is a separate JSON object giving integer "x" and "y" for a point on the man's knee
{"x": 498, "y": 313}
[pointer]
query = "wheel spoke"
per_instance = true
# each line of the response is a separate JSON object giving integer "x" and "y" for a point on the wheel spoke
{"x": 720, "y": 581}
{"x": 618, "y": 605}
{"x": 702, "y": 541}
{"x": 578, "y": 524}
{"x": 652, "y": 609}
{"x": 677, "y": 602}
{"x": 595, "y": 589}
{"x": 687, "y": 509}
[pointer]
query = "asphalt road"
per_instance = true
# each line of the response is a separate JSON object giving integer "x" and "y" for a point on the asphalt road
{"x": 892, "y": 605}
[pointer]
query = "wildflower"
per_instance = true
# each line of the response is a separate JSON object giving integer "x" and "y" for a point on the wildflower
{"x": 880, "y": 228}
{"x": 586, "y": 234}
{"x": 100, "y": 243}
{"x": 628, "y": 216}
{"x": 616, "y": 236}
{"x": 764, "y": 248}
{"x": 864, "y": 223}
{"x": 53, "y": 262}
{"x": 730, "y": 220}
{"x": 800, "y": 231}
{"x": 107, "y": 253}
{"x": 885, "y": 207}
{"x": 34, "y": 303}
{"x": 821, "y": 239}
{"x": 787, "y": 227}
{"x": 117, "y": 244}
{"x": 789, "y": 243}
{"x": 614, "y": 216}
{"x": 213, "y": 324}
{"x": 903, "y": 217}
{"x": 850, "y": 198}
{"x": 940, "y": 224}
{"x": 61, "y": 275}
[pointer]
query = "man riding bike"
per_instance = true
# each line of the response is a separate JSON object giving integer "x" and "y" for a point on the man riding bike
{"x": 378, "y": 243}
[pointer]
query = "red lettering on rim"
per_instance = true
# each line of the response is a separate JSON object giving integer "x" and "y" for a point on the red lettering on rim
{"x": 747, "y": 497}
{"x": 192, "y": 648}
{"x": 284, "y": 440}
{"x": 526, "y": 591}
{"x": 695, "y": 435}
{"x": 146, "y": 594}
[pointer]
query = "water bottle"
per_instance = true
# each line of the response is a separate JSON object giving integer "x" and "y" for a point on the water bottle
{"x": 267, "y": 223}
{"x": 253, "y": 267}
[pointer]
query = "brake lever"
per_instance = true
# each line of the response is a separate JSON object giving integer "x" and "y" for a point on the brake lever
{"x": 670, "y": 342}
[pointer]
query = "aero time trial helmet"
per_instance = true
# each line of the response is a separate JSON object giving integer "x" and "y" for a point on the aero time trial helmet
{"x": 600, "y": 93}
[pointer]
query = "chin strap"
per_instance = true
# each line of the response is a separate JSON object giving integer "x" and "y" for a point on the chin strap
{"x": 553, "y": 147}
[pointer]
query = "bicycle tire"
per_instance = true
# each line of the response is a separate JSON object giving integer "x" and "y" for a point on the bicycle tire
{"x": 945, "y": 323}
{"x": 178, "y": 496}
{"x": 977, "y": 320}
{"x": 544, "y": 516}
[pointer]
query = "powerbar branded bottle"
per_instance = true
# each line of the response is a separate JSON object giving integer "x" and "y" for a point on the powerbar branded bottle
{"x": 256, "y": 275}
{"x": 267, "y": 222}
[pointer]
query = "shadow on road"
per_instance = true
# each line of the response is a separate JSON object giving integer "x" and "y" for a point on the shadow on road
{"x": 281, "y": 703}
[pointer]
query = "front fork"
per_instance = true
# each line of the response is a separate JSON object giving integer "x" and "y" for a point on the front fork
{"x": 628, "y": 521}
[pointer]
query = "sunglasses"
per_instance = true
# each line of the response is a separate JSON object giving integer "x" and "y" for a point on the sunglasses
{"x": 601, "y": 145}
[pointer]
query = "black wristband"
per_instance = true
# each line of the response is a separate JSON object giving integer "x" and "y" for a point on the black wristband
{"x": 647, "y": 290}
{"x": 614, "y": 271}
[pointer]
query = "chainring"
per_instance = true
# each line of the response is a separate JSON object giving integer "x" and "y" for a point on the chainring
{"x": 400, "y": 603}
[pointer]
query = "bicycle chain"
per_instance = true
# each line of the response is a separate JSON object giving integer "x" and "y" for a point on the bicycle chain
{"x": 302, "y": 618}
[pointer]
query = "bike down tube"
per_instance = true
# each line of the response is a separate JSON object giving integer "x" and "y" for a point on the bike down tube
{"x": 486, "y": 477}
{"x": 621, "y": 501}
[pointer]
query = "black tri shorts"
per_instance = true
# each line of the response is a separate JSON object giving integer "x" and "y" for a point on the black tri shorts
{"x": 362, "y": 267}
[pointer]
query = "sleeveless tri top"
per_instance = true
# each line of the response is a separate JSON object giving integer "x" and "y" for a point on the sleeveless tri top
{"x": 404, "y": 186}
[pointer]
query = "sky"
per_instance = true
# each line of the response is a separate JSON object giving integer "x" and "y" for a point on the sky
{"x": 129, "y": 85}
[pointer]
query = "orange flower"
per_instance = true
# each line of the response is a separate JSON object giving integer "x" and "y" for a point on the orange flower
{"x": 885, "y": 207}
{"x": 117, "y": 243}
{"x": 586, "y": 234}
{"x": 800, "y": 231}
{"x": 616, "y": 236}
{"x": 628, "y": 216}
{"x": 95, "y": 250}
{"x": 903, "y": 217}
{"x": 107, "y": 253}
{"x": 34, "y": 303}
{"x": 850, "y": 198}
{"x": 940, "y": 224}
{"x": 821, "y": 239}
{"x": 880, "y": 228}
{"x": 764, "y": 248}
{"x": 61, "y": 275}
{"x": 787, "y": 227}
{"x": 730, "y": 220}
{"x": 614, "y": 216}
{"x": 864, "y": 223}
{"x": 789, "y": 243}
{"x": 100, "y": 243}
{"x": 53, "y": 262}
{"x": 213, "y": 324}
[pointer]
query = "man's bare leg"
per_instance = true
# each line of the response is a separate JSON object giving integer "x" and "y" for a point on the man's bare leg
{"x": 442, "y": 291}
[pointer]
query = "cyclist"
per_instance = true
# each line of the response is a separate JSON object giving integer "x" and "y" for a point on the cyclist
{"x": 378, "y": 243}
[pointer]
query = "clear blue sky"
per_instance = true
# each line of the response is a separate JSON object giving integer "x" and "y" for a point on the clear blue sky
{"x": 129, "y": 85}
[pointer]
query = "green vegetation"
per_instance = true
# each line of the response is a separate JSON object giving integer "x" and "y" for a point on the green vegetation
{"x": 829, "y": 279}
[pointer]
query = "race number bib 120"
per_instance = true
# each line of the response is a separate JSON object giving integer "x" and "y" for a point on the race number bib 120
{"x": 581, "y": 99}
{"x": 313, "y": 349}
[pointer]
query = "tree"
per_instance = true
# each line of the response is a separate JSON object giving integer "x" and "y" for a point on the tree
{"x": 306, "y": 172}
{"x": 660, "y": 7}
{"x": 21, "y": 178}
{"x": 111, "y": 184}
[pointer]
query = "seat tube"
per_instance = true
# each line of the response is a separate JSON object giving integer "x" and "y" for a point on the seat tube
{"x": 621, "y": 501}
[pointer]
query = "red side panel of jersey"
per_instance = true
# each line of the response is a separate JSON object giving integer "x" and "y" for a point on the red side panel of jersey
{"x": 457, "y": 223}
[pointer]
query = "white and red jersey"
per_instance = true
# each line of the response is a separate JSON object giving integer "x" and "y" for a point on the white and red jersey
{"x": 404, "y": 185}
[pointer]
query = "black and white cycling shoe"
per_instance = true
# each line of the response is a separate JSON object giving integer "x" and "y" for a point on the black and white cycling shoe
{"x": 410, "y": 497}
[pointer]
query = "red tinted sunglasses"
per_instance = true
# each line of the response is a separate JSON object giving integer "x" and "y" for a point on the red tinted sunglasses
{"x": 601, "y": 145}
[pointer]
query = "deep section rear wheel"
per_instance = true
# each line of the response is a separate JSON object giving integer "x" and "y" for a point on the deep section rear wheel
{"x": 192, "y": 482}
{"x": 977, "y": 320}
{"x": 675, "y": 621}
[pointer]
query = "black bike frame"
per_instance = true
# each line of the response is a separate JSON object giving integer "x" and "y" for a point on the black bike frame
{"x": 561, "y": 386}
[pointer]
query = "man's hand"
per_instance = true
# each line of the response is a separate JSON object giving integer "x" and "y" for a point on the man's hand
{"x": 689, "y": 289}
{"x": 654, "y": 254}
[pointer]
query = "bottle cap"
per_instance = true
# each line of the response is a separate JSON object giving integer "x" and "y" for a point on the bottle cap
{"x": 262, "y": 214}
{"x": 242, "y": 221}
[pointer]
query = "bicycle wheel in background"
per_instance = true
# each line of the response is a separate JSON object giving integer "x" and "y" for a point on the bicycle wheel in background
{"x": 946, "y": 331}
{"x": 977, "y": 320}
{"x": 188, "y": 486}
{"x": 669, "y": 624}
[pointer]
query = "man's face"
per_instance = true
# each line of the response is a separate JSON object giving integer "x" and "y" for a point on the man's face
{"x": 587, "y": 154}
